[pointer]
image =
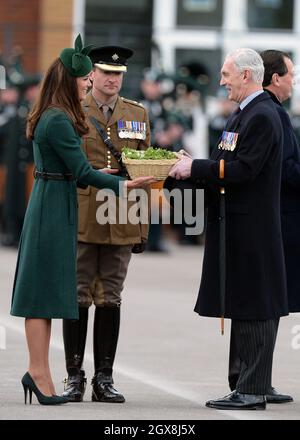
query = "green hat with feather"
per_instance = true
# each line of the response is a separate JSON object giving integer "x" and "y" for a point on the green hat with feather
{"x": 76, "y": 61}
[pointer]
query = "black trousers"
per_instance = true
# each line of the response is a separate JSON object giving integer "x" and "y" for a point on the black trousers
{"x": 252, "y": 346}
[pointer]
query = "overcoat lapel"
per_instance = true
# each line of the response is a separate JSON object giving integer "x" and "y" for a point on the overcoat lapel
{"x": 234, "y": 122}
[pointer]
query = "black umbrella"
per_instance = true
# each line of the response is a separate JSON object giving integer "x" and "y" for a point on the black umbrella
{"x": 222, "y": 254}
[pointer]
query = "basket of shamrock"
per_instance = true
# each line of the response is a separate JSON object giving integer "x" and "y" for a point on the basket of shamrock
{"x": 156, "y": 162}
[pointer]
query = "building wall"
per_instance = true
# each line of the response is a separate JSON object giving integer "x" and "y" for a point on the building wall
{"x": 41, "y": 27}
{"x": 19, "y": 25}
{"x": 56, "y": 21}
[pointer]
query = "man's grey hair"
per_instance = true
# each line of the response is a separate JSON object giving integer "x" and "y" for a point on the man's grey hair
{"x": 249, "y": 59}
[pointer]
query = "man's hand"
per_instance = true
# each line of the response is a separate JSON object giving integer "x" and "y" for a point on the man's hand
{"x": 183, "y": 169}
{"x": 139, "y": 248}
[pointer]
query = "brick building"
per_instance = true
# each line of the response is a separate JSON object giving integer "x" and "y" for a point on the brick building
{"x": 40, "y": 27}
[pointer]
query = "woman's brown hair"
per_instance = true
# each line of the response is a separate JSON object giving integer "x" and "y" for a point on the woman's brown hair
{"x": 59, "y": 90}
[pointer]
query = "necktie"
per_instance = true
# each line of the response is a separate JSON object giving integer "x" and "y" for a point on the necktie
{"x": 105, "y": 110}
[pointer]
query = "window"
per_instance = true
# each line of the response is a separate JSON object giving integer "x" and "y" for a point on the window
{"x": 204, "y": 13}
{"x": 200, "y": 5}
{"x": 129, "y": 24}
{"x": 270, "y": 14}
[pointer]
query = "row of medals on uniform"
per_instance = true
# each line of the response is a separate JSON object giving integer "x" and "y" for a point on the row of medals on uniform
{"x": 229, "y": 141}
{"x": 132, "y": 130}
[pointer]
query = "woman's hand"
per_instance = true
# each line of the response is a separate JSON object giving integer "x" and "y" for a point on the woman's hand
{"x": 139, "y": 182}
{"x": 109, "y": 170}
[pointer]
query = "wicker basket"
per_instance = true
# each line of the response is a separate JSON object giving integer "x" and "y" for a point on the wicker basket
{"x": 159, "y": 169}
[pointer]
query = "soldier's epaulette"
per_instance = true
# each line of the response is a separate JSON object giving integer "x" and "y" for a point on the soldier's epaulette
{"x": 129, "y": 101}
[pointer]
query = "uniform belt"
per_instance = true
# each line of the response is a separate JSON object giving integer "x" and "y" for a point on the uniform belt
{"x": 52, "y": 176}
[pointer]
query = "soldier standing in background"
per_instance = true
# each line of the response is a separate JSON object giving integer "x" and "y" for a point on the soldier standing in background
{"x": 104, "y": 251}
{"x": 9, "y": 132}
{"x": 18, "y": 160}
{"x": 151, "y": 99}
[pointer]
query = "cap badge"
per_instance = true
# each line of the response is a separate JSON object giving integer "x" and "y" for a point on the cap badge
{"x": 115, "y": 57}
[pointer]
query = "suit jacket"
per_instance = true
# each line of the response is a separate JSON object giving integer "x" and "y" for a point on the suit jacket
{"x": 255, "y": 269}
{"x": 89, "y": 230}
{"x": 290, "y": 206}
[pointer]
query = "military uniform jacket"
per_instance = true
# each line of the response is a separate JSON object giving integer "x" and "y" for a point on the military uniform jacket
{"x": 255, "y": 269}
{"x": 45, "y": 279}
{"x": 89, "y": 230}
{"x": 290, "y": 207}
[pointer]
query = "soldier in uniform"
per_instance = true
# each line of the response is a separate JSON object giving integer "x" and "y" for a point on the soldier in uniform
{"x": 19, "y": 163}
{"x": 9, "y": 130}
{"x": 104, "y": 251}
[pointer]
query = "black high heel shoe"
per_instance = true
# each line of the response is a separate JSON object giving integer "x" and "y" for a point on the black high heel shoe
{"x": 28, "y": 384}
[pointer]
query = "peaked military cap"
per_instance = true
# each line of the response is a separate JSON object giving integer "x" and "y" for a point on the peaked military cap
{"x": 76, "y": 61}
{"x": 111, "y": 58}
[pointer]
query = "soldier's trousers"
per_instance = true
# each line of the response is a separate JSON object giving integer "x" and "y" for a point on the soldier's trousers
{"x": 101, "y": 272}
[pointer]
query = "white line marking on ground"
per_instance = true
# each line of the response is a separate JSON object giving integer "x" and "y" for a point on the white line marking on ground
{"x": 154, "y": 382}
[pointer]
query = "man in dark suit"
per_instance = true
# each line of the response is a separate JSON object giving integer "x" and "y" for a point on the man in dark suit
{"x": 256, "y": 297}
{"x": 279, "y": 79}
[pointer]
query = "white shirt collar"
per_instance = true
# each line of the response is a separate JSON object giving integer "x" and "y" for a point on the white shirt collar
{"x": 250, "y": 98}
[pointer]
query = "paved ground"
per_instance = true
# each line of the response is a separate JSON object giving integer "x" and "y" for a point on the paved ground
{"x": 169, "y": 362}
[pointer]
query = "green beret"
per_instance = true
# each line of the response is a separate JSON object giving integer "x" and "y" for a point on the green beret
{"x": 76, "y": 61}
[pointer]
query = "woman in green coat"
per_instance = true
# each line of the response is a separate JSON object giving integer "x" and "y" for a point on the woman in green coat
{"x": 45, "y": 279}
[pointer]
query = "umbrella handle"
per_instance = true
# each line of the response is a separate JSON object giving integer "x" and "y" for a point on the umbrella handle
{"x": 222, "y": 192}
{"x": 222, "y": 174}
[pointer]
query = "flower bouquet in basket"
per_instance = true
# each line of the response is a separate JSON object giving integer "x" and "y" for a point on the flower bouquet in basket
{"x": 156, "y": 162}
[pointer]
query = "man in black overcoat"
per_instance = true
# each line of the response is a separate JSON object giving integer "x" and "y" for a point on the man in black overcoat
{"x": 278, "y": 82}
{"x": 256, "y": 296}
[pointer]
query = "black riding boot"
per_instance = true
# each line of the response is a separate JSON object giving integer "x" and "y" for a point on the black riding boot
{"x": 74, "y": 333}
{"x": 106, "y": 333}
